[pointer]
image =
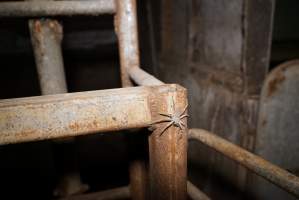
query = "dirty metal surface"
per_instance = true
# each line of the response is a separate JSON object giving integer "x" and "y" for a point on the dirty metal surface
{"x": 63, "y": 115}
{"x": 125, "y": 22}
{"x": 143, "y": 78}
{"x": 56, "y": 8}
{"x": 278, "y": 127}
{"x": 258, "y": 165}
{"x": 138, "y": 175}
{"x": 126, "y": 30}
{"x": 168, "y": 150}
{"x": 46, "y": 36}
{"x": 138, "y": 168}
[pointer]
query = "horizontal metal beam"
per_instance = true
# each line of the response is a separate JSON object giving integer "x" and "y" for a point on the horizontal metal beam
{"x": 56, "y": 8}
{"x": 258, "y": 165}
{"x": 143, "y": 78}
{"x": 72, "y": 114}
{"x": 124, "y": 193}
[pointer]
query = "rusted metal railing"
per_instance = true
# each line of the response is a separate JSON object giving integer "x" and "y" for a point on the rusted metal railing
{"x": 127, "y": 33}
{"x": 125, "y": 22}
{"x": 258, "y": 165}
{"x": 46, "y": 37}
{"x": 72, "y": 114}
{"x": 68, "y": 115}
{"x": 65, "y": 115}
{"x": 141, "y": 77}
{"x": 56, "y": 8}
{"x": 124, "y": 193}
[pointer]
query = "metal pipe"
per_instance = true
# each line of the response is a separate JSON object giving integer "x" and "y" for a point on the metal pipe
{"x": 46, "y": 36}
{"x": 56, "y": 8}
{"x": 258, "y": 165}
{"x": 143, "y": 78}
{"x": 72, "y": 114}
{"x": 168, "y": 149}
{"x": 127, "y": 33}
{"x": 194, "y": 193}
{"x": 126, "y": 30}
{"x": 124, "y": 193}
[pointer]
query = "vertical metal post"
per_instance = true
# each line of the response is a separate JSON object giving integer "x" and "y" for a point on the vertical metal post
{"x": 127, "y": 33}
{"x": 46, "y": 37}
{"x": 168, "y": 151}
{"x": 126, "y": 30}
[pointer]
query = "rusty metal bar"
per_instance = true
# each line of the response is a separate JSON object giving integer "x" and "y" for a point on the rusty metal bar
{"x": 72, "y": 114}
{"x": 56, "y": 8}
{"x": 126, "y": 30}
{"x": 127, "y": 33}
{"x": 194, "y": 193}
{"x": 138, "y": 175}
{"x": 258, "y": 165}
{"x": 140, "y": 77}
{"x": 137, "y": 168}
{"x": 168, "y": 150}
{"x": 46, "y": 36}
{"x": 124, "y": 193}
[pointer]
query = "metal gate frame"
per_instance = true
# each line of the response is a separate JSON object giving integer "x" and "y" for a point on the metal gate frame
{"x": 74, "y": 114}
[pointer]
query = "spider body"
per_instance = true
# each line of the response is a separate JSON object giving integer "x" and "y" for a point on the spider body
{"x": 175, "y": 119}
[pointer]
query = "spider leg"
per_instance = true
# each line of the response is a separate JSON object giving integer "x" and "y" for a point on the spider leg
{"x": 180, "y": 126}
{"x": 183, "y": 116}
{"x": 183, "y": 124}
{"x": 184, "y": 109}
{"x": 160, "y": 121}
{"x": 166, "y": 127}
{"x": 165, "y": 115}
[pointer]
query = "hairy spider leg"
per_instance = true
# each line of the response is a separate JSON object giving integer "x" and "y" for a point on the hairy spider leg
{"x": 183, "y": 116}
{"x": 166, "y": 127}
{"x": 161, "y": 120}
{"x": 181, "y": 124}
{"x": 184, "y": 110}
{"x": 166, "y": 115}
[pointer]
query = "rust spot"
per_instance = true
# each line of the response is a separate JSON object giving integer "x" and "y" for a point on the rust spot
{"x": 274, "y": 83}
{"x": 37, "y": 26}
{"x": 95, "y": 123}
{"x": 75, "y": 126}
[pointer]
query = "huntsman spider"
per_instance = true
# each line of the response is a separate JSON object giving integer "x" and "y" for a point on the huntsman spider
{"x": 173, "y": 119}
